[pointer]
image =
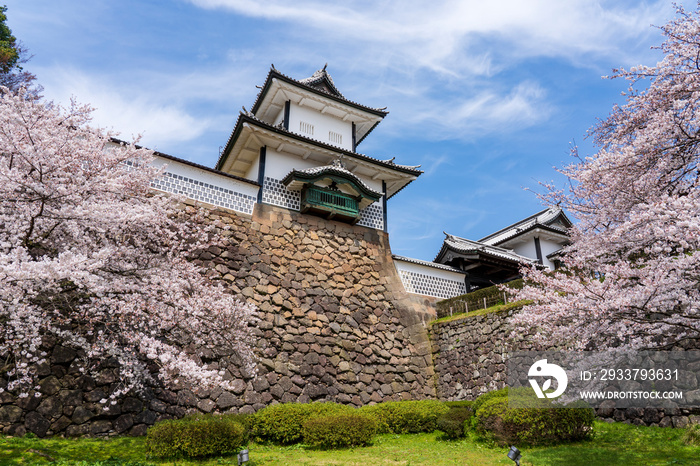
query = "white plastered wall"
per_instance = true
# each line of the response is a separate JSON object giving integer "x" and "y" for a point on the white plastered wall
{"x": 322, "y": 124}
{"x": 528, "y": 249}
{"x": 205, "y": 186}
{"x": 547, "y": 247}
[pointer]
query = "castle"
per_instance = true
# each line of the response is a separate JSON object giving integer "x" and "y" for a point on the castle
{"x": 340, "y": 318}
{"x": 297, "y": 148}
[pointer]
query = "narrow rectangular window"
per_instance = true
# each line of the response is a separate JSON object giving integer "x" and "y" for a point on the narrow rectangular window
{"x": 335, "y": 138}
{"x": 306, "y": 128}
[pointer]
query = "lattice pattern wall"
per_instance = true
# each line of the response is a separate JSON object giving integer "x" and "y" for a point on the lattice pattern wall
{"x": 205, "y": 192}
{"x": 275, "y": 193}
{"x": 372, "y": 216}
{"x": 429, "y": 285}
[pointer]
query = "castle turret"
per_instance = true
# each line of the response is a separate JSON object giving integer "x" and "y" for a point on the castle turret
{"x": 299, "y": 143}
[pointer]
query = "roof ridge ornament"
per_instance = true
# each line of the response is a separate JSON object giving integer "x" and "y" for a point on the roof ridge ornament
{"x": 321, "y": 80}
{"x": 339, "y": 163}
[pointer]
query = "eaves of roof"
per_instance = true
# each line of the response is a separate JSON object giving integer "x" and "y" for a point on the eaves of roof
{"x": 557, "y": 253}
{"x": 514, "y": 225}
{"x": 274, "y": 73}
{"x": 428, "y": 264}
{"x": 465, "y": 246}
{"x": 249, "y": 118}
{"x": 191, "y": 164}
{"x": 527, "y": 223}
{"x": 531, "y": 227}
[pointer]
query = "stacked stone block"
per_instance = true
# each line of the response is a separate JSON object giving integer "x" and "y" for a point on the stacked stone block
{"x": 335, "y": 325}
{"x": 470, "y": 353}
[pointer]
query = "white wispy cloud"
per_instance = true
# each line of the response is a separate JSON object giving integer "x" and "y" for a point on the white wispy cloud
{"x": 121, "y": 107}
{"x": 453, "y": 36}
{"x": 444, "y": 68}
{"x": 449, "y": 67}
{"x": 471, "y": 112}
{"x": 160, "y": 106}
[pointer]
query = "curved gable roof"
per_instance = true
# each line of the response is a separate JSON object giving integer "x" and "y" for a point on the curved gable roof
{"x": 552, "y": 218}
{"x": 314, "y": 83}
{"x": 296, "y": 179}
{"x": 322, "y": 81}
{"x": 465, "y": 246}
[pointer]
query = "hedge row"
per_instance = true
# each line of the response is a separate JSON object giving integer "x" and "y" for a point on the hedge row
{"x": 345, "y": 430}
{"x": 320, "y": 425}
{"x": 405, "y": 417}
{"x": 283, "y": 423}
{"x": 331, "y": 425}
{"x": 197, "y": 436}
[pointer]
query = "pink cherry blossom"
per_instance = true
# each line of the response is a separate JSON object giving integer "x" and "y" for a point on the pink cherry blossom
{"x": 632, "y": 271}
{"x": 94, "y": 259}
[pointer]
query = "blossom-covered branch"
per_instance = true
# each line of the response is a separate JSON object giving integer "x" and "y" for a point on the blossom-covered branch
{"x": 633, "y": 269}
{"x": 91, "y": 257}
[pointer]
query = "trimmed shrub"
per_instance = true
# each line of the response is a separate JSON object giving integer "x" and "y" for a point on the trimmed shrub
{"x": 541, "y": 424}
{"x": 196, "y": 437}
{"x": 481, "y": 399}
{"x": 691, "y": 436}
{"x": 452, "y": 422}
{"x": 459, "y": 404}
{"x": 405, "y": 417}
{"x": 341, "y": 431}
{"x": 475, "y": 299}
{"x": 282, "y": 423}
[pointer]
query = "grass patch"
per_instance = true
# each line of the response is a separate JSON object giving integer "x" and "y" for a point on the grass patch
{"x": 618, "y": 444}
{"x": 83, "y": 452}
{"x": 621, "y": 444}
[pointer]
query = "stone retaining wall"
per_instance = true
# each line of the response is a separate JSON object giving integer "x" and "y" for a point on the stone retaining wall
{"x": 469, "y": 356}
{"x": 336, "y": 325}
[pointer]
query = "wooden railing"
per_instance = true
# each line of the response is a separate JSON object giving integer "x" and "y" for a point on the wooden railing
{"x": 331, "y": 201}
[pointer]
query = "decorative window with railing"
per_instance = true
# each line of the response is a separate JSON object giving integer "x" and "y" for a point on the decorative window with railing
{"x": 331, "y": 202}
{"x": 306, "y": 128}
{"x": 334, "y": 192}
{"x": 335, "y": 138}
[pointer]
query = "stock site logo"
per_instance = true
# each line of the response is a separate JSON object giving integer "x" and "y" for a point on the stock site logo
{"x": 542, "y": 369}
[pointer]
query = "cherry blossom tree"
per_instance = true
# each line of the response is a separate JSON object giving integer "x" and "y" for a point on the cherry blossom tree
{"x": 632, "y": 271}
{"x": 93, "y": 259}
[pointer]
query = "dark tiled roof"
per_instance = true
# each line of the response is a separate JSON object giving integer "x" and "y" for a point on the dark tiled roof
{"x": 466, "y": 246}
{"x": 542, "y": 219}
{"x": 427, "y": 263}
{"x": 322, "y": 80}
{"x": 309, "y": 85}
{"x": 333, "y": 170}
{"x": 191, "y": 164}
{"x": 250, "y": 118}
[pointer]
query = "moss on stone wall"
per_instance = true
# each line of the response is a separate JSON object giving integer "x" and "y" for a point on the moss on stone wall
{"x": 492, "y": 296}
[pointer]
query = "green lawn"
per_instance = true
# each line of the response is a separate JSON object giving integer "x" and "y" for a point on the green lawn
{"x": 614, "y": 444}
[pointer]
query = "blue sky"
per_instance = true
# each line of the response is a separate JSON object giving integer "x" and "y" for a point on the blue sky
{"x": 487, "y": 96}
